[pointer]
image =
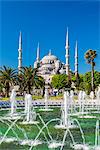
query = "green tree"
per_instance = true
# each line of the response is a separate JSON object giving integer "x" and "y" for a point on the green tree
{"x": 96, "y": 79}
{"x": 90, "y": 56}
{"x": 7, "y": 78}
{"x": 78, "y": 81}
{"x": 87, "y": 81}
{"x": 60, "y": 81}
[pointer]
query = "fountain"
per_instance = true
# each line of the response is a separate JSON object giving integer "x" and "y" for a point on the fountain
{"x": 26, "y": 104}
{"x": 92, "y": 98}
{"x": 98, "y": 100}
{"x": 81, "y": 101}
{"x": 13, "y": 102}
{"x": 83, "y": 107}
{"x": 97, "y": 136}
{"x": 46, "y": 97}
{"x": 72, "y": 105}
{"x": 29, "y": 111}
{"x": 66, "y": 121}
{"x": 13, "y": 113}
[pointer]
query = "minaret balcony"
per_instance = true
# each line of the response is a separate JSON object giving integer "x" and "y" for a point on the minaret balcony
{"x": 67, "y": 47}
{"x": 67, "y": 56}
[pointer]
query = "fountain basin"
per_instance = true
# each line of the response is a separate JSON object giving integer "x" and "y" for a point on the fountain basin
{"x": 54, "y": 144}
{"x": 30, "y": 122}
{"x": 12, "y": 117}
{"x": 81, "y": 147}
{"x": 46, "y": 109}
{"x": 65, "y": 127}
{"x": 9, "y": 139}
{"x": 87, "y": 116}
{"x": 30, "y": 142}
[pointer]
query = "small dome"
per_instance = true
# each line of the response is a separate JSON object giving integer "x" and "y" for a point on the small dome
{"x": 35, "y": 64}
{"x": 62, "y": 71}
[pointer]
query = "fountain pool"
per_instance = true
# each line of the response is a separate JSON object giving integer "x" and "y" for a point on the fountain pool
{"x": 28, "y": 128}
{"x": 44, "y": 136}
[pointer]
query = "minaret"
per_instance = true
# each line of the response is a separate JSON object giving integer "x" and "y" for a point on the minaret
{"x": 38, "y": 53}
{"x": 76, "y": 59}
{"x": 20, "y": 54}
{"x": 67, "y": 53}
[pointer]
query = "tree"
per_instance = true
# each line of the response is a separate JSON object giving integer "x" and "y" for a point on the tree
{"x": 96, "y": 79}
{"x": 77, "y": 80}
{"x": 60, "y": 81}
{"x": 85, "y": 81}
{"x": 90, "y": 56}
{"x": 7, "y": 78}
{"x": 29, "y": 78}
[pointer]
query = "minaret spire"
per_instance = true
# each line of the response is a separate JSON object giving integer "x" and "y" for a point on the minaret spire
{"x": 67, "y": 53}
{"x": 76, "y": 59}
{"x": 38, "y": 53}
{"x": 20, "y": 53}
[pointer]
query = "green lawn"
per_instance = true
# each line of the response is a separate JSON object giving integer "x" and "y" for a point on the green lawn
{"x": 34, "y": 97}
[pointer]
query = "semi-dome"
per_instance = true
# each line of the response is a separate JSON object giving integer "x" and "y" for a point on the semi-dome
{"x": 47, "y": 66}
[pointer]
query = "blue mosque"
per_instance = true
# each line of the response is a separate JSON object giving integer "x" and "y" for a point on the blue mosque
{"x": 50, "y": 65}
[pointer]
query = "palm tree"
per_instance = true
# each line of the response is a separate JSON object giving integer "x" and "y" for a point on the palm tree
{"x": 7, "y": 78}
{"x": 29, "y": 78}
{"x": 90, "y": 56}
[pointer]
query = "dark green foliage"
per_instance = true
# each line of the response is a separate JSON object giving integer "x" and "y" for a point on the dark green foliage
{"x": 85, "y": 81}
{"x": 29, "y": 78}
{"x": 7, "y": 78}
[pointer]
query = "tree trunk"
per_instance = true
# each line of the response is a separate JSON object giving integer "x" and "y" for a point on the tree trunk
{"x": 29, "y": 88}
{"x": 7, "y": 89}
{"x": 43, "y": 91}
{"x": 92, "y": 76}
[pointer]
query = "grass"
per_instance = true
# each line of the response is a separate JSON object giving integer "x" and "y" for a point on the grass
{"x": 35, "y": 97}
{"x": 58, "y": 97}
{"x": 7, "y": 98}
{"x": 39, "y": 97}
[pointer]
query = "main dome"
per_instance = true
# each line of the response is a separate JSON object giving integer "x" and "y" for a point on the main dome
{"x": 49, "y": 58}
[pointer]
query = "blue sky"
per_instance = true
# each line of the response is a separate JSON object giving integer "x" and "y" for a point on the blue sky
{"x": 46, "y": 22}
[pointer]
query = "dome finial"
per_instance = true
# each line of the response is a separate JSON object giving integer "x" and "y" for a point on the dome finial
{"x": 38, "y": 53}
{"x": 49, "y": 52}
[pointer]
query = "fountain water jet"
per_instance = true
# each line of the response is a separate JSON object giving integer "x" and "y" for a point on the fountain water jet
{"x": 57, "y": 119}
{"x": 13, "y": 102}
{"x": 46, "y": 97}
{"x": 13, "y": 115}
{"x": 97, "y": 136}
{"x": 98, "y": 100}
{"x": 92, "y": 98}
{"x": 4, "y": 137}
{"x": 66, "y": 121}
{"x": 29, "y": 111}
{"x": 72, "y": 105}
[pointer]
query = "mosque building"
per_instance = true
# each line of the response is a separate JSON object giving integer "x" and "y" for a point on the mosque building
{"x": 50, "y": 65}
